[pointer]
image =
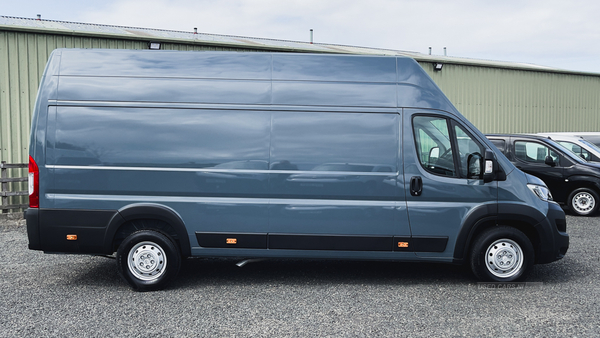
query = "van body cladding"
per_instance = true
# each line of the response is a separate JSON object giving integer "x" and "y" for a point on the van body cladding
{"x": 261, "y": 155}
{"x": 321, "y": 242}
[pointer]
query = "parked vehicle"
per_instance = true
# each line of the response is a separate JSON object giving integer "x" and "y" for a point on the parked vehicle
{"x": 577, "y": 145}
{"x": 592, "y": 137}
{"x": 158, "y": 155}
{"x": 573, "y": 182}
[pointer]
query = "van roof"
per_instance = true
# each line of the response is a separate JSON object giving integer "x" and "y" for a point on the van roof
{"x": 247, "y": 77}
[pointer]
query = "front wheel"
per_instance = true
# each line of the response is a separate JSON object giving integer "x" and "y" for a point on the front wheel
{"x": 502, "y": 254}
{"x": 583, "y": 202}
{"x": 148, "y": 260}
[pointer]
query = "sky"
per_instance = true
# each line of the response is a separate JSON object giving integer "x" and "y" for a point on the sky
{"x": 559, "y": 34}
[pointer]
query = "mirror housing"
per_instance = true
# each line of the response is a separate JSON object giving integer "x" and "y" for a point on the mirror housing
{"x": 549, "y": 161}
{"x": 491, "y": 170}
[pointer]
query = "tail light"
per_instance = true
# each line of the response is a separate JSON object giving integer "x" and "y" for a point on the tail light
{"x": 34, "y": 184}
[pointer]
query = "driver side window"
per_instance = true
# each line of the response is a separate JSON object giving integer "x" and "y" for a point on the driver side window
{"x": 534, "y": 152}
{"x": 467, "y": 148}
{"x": 445, "y": 148}
{"x": 434, "y": 148}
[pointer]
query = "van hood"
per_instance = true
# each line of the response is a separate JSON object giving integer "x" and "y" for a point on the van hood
{"x": 534, "y": 180}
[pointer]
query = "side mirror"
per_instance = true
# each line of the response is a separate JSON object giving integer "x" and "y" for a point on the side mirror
{"x": 490, "y": 166}
{"x": 434, "y": 154}
{"x": 475, "y": 166}
{"x": 549, "y": 161}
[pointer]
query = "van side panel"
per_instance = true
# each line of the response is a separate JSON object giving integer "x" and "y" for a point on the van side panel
{"x": 165, "y": 64}
{"x": 164, "y": 138}
{"x": 234, "y": 171}
{"x": 165, "y": 90}
{"x": 336, "y": 173}
{"x": 202, "y": 163}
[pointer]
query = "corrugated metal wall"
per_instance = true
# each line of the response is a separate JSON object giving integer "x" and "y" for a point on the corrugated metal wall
{"x": 516, "y": 101}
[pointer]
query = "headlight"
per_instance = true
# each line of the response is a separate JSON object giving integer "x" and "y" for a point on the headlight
{"x": 540, "y": 191}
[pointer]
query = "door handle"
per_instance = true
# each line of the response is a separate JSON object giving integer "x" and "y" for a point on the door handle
{"x": 416, "y": 185}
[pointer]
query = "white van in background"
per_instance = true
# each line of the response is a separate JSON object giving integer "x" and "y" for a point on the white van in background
{"x": 577, "y": 144}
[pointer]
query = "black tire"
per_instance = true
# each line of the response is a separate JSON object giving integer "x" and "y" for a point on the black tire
{"x": 502, "y": 254}
{"x": 583, "y": 202}
{"x": 148, "y": 260}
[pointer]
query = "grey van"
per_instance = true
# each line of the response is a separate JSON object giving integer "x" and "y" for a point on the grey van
{"x": 161, "y": 155}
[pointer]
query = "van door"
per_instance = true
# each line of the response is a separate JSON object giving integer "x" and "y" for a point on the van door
{"x": 441, "y": 197}
{"x": 334, "y": 182}
{"x": 531, "y": 157}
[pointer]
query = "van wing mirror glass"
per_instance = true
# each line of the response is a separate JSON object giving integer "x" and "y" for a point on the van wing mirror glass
{"x": 434, "y": 154}
{"x": 475, "y": 163}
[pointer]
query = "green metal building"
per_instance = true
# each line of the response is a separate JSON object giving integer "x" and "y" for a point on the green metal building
{"x": 497, "y": 97}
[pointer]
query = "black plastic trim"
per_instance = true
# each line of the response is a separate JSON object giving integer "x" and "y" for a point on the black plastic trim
{"x": 429, "y": 244}
{"x": 550, "y": 229}
{"x": 479, "y": 215}
{"x": 321, "y": 242}
{"x": 149, "y": 211}
{"x": 89, "y": 225}
{"x": 33, "y": 228}
{"x": 556, "y": 242}
{"x": 330, "y": 242}
{"x": 225, "y": 240}
{"x": 95, "y": 229}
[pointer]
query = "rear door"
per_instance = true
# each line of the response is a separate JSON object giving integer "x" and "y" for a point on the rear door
{"x": 441, "y": 198}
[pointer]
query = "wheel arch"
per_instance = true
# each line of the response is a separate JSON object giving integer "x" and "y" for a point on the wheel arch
{"x": 131, "y": 220}
{"x": 581, "y": 181}
{"x": 518, "y": 216}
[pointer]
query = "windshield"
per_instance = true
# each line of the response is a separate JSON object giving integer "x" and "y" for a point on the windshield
{"x": 595, "y": 139}
{"x": 591, "y": 145}
{"x": 569, "y": 153}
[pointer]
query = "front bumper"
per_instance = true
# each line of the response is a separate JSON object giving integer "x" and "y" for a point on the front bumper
{"x": 553, "y": 235}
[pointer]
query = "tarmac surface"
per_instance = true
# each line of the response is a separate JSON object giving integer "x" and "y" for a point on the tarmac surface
{"x": 45, "y": 295}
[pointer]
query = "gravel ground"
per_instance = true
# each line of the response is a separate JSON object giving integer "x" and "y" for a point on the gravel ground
{"x": 82, "y": 296}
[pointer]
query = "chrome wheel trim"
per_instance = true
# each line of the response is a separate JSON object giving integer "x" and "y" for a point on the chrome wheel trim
{"x": 147, "y": 261}
{"x": 583, "y": 202}
{"x": 504, "y": 258}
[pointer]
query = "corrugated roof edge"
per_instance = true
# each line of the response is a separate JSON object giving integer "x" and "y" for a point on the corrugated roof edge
{"x": 163, "y": 35}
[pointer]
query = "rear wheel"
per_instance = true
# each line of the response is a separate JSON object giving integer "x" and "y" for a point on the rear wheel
{"x": 502, "y": 254}
{"x": 148, "y": 260}
{"x": 583, "y": 202}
